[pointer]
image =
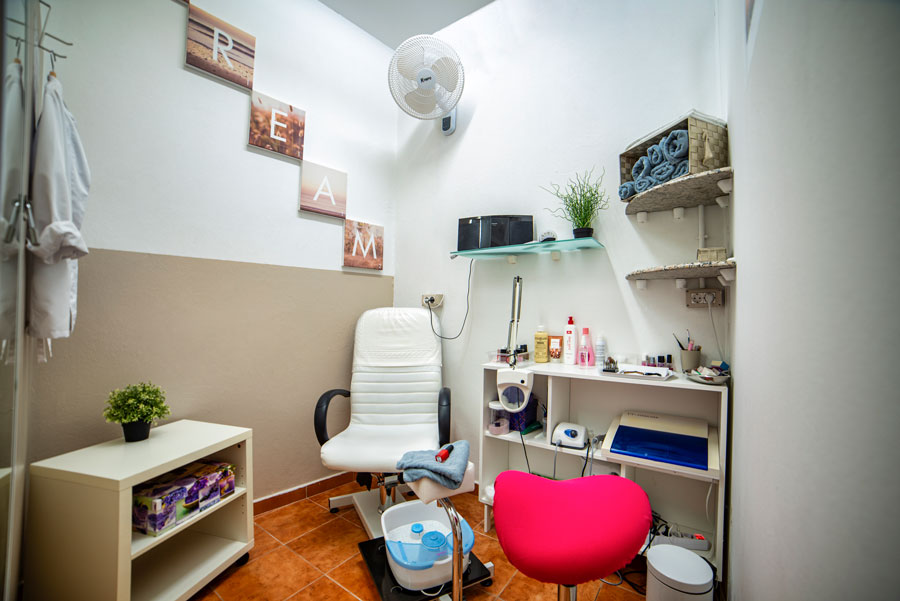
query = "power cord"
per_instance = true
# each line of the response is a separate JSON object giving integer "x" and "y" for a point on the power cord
{"x": 431, "y": 313}
{"x": 709, "y": 300}
{"x": 525, "y": 450}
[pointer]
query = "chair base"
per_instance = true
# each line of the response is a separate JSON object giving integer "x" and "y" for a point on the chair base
{"x": 368, "y": 506}
{"x": 566, "y": 593}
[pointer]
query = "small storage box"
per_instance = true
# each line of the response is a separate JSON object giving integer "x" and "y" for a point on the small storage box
{"x": 156, "y": 506}
{"x": 717, "y": 253}
{"x": 703, "y": 131}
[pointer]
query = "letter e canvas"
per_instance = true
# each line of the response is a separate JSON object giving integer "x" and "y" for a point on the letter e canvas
{"x": 363, "y": 245}
{"x": 220, "y": 49}
{"x": 323, "y": 190}
{"x": 276, "y": 126}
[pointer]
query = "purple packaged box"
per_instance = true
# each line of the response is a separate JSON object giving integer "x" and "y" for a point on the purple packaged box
{"x": 155, "y": 507}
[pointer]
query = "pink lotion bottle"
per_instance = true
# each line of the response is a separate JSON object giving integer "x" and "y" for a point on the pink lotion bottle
{"x": 586, "y": 349}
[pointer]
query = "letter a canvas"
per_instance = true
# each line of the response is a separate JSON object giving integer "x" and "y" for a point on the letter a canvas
{"x": 276, "y": 126}
{"x": 363, "y": 245}
{"x": 323, "y": 190}
{"x": 220, "y": 49}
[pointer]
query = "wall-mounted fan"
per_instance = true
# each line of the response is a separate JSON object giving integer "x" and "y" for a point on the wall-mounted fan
{"x": 426, "y": 80}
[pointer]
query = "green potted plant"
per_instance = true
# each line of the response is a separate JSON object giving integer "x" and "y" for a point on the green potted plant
{"x": 581, "y": 199}
{"x": 136, "y": 407}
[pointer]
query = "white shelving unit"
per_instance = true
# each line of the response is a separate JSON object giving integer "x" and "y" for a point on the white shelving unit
{"x": 80, "y": 542}
{"x": 691, "y": 498}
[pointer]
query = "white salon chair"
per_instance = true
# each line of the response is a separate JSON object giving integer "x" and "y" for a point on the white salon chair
{"x": 397, "y": 405}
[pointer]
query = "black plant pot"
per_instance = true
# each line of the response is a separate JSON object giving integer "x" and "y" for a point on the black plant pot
{"x": 135, "y": 431}
{"x": 583, "y": 232}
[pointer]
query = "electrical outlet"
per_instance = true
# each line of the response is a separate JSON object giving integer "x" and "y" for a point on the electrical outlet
{"x": 434, "y": 300}
{"x": 697, "y": 298}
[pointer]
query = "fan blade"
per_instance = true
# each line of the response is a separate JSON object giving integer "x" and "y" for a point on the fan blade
{"x": 445, "y": 73}
{"x": 410, "y": 62}
{"x": 421, "y": 101}
{"x": 442, "y": 97}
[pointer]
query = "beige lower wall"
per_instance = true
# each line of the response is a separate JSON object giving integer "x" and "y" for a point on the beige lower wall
{"x": 235, "y": 343}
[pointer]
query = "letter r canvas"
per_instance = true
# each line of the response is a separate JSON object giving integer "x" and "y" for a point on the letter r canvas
{"x": 219, "y": 48}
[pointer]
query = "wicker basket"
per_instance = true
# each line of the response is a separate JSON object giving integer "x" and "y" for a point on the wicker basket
{"x": 705, "y": 132}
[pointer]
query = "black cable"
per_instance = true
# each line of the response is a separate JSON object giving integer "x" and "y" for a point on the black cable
{"x": 634, "y": 585}
{"x": 555, "y": 453}
{"x": 587, "y": 452}
{"x": 431, "y": 314}
{"x": 524, "y": 450}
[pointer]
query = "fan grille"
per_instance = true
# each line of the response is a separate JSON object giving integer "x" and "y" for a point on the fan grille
{"x": 425, "y": 56}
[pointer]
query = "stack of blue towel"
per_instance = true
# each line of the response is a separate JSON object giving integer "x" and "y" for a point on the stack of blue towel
{"x": 664, "y": 161}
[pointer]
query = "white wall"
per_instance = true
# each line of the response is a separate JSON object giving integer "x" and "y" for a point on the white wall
{"x": 172, "y": 171}
{"x": 814, "y": 142}
{"x": 550, "y": 91}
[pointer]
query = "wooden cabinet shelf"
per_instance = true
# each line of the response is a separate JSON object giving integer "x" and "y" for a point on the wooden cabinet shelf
{"x": 595, "y": 400}
{"x": 80, "y": 541}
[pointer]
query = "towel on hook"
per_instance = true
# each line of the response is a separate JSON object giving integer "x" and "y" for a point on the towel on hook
{"x": 681, "y": 168}
{"x": 626, "y": 190}
{"x": 641, "y": 168}
{"x": 655, "y": 154}
{"x": 643, "y": 184}
{"x": 675, "y": 146}
{"x": 416, "y": 465}
{"x": 663, "y": 172}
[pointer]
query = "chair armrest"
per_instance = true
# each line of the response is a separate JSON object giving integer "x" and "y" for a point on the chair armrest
{"x": 320, "y": 420}
{"x": 444, "y": 416}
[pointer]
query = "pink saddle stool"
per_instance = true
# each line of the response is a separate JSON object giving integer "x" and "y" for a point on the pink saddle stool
{"x": 571, "y": 531}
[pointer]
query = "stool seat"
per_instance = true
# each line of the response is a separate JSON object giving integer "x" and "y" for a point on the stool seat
{"x": 570, "y": 531}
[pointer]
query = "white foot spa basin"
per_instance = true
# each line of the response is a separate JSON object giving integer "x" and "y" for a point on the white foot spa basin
{"x": 419, "y": 544}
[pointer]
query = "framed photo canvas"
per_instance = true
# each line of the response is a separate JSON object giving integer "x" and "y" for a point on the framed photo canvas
{"x": 363, "y": 245}
{"x": 220, "y": 49}
{"x": 323, "y": 190}
{"x": 276, "y": 126}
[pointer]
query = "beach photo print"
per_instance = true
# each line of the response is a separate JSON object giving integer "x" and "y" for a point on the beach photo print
{"x": 220, "y": 49}
{"x": 363, "y": 245}
{"x": 276, "y": 126}
{"x": 323, "y": 190}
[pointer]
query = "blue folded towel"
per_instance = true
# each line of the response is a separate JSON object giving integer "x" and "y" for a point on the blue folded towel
{"x": 655, "y": 154}
{"x": 626, "y": 190}
{"x": 682, "y": 168}
{"x": 675, "y": 146}
{"x": 644, "y": 183}
{"x": 416, "y": 465}
{"x": 641, "y": 168}
{"x": 663, "y": 172}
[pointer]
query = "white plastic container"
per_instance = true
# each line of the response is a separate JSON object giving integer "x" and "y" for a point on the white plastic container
{"x": 600, "y": 351}
{"x": 676, "y": 574}
{"x": 422, "y": 559}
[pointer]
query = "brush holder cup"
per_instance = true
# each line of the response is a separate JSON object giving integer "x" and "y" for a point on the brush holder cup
{"x": 690, "y": 360}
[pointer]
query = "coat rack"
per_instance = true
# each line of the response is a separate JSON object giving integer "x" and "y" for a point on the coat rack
{"x": 44, "y": 33}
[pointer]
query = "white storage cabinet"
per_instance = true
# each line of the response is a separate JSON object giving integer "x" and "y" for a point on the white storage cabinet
{"x": 692, "y": 499}
{"x": 80, "y": 545}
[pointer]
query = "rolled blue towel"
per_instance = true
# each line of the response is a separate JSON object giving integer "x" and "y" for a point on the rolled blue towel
{"x": 663, "y": 172}
{"x": 416, "y": 465}
{"x": 675, "y": 146}
{"x": 682, "y": 168}
{"x": 641, "y": 168}
{"x": 655, "y": 154}
{"x": 626, "y": 190}
{"x": 643, "y": 184}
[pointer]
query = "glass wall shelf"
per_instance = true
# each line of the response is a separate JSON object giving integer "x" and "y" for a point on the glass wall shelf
{"x": 530, "y": 248}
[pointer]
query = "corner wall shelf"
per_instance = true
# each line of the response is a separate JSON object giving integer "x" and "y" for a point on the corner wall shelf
{"x": 683, "y": 271}
{"x": 685, "y": 192}
{"x": 530, "y": 248}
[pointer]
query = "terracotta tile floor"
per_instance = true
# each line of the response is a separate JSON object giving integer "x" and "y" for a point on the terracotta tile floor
{"x": 304, "y": 553}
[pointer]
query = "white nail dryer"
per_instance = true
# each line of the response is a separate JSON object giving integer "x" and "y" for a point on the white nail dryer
{"x": 569, "y": 435}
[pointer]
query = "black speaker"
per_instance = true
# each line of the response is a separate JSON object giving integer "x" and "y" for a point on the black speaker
{"x": 521, "y": 229}
{"x": 494, "y": 230}
{"x": 469, "y": 235}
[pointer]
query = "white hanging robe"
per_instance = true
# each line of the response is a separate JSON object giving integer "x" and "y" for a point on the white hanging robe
{"x": 60, "y": 182}
{"x": 10, "y": 183}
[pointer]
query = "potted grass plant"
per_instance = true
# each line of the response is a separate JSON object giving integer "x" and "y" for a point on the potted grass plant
{"x": 582, "y": 199}
{"x": 136, "y": 407}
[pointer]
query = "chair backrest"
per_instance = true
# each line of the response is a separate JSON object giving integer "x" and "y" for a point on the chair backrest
{"x": 396, "y": 368}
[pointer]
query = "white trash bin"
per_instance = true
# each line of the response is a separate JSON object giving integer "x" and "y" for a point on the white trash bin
{"x": 676, "y": 574}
